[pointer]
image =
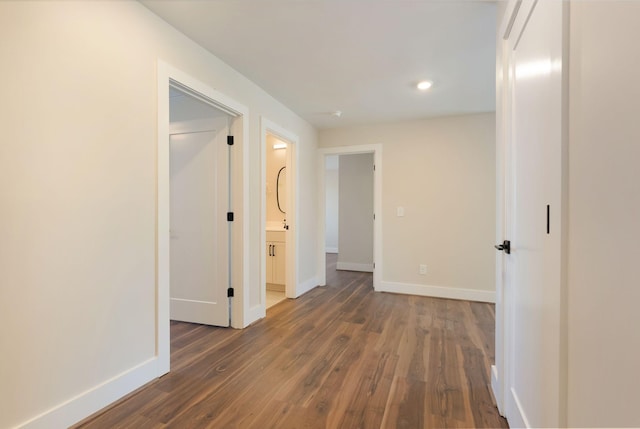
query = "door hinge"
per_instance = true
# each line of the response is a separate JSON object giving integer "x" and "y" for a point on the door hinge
{"x": 229, "y": 216}
{"x": 374, "y": 216}
{"x": 230, "y": 140}
{"x": 374, "y": 167}
{"x": 230, "y": 292}
{"x": 504, "y": 247}
{"x": 374, "y": 265}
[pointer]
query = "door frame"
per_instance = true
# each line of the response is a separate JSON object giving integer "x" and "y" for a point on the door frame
{"x": 376, "y": 149}
{"x": 499, "y": 370}
{"x": 168, "y": 75}
{"x": 515, "y": 17}
{"x": 292, "y": 203}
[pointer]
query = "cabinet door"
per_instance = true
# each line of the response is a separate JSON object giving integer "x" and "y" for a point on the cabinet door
{"x": 279, "y": 258}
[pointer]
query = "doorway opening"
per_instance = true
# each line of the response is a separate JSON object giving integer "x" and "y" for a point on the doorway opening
{"x": 350, "y": 209}
{"x": 202, "y": 165}
{"x": 349, "y": 212}
{"x": 276, "y": 226}
{"x": 279, "y": 214}
{"x": 199, "y": 198}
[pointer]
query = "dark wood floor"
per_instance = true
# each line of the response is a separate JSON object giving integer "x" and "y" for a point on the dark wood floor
{"x": 340, "y": 356}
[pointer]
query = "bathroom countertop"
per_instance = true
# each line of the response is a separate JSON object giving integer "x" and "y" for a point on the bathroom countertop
{"x": 274, "y": 226}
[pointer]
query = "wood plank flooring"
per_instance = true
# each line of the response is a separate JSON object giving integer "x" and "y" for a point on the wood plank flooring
{"x": 340, "y": 356}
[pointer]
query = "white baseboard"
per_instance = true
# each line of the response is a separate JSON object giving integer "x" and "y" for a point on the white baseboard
{"x": 276, "y": 287}
{"x": 438, "y": 291}
{"x": 306, "y": 286}
{"x": 92, "y": 400}
{"x": 517, "y": 418}
{"x": 496, "y": 389}
{"x": 331, "y": 250}
{"x": 254, "y": 314}
{"x": 352, "y": 266}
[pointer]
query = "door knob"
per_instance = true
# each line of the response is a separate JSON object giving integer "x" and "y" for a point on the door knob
{"x": 504, "y": 247}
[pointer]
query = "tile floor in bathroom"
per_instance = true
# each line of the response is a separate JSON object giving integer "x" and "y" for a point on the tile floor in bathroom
{"x": 274, "y": 297}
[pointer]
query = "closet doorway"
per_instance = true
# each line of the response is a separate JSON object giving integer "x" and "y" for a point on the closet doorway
{"x": 198, "y": 195}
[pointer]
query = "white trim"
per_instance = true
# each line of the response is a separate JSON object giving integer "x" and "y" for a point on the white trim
{"x": 306, "y": 286}
{"x": 256, "y": 312}
{"x": 506, "y": 26}
{"x": 331, "y": 250}
{"x": 496, "y": 389}
{"x": 94, "y": 399}
{"x": 438, "y": 291}
{"x": 242, "y": 320}
{"x": 353, "y": 266}
{"x": 519, "y": 15}
{"x": 241, "y": 254}
{"x": 517, "y": 418}
{"x": 499, "y": 384}
{"x": 163, "y": 296}
{"x": 376, "y": 149}
{"x": 293, "y": 289}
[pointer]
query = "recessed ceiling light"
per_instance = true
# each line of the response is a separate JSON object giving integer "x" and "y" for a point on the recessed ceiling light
{"x": 280, "y": 146}
{"x": 424, "y": 85}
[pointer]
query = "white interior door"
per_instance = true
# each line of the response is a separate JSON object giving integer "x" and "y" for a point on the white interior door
{"x": 199, "y": 238}
{"x": 533, "y": 289}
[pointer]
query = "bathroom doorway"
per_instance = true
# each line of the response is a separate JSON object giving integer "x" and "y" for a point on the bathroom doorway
{"x": 279, "y": 269}
{"x": 276, "y": 226}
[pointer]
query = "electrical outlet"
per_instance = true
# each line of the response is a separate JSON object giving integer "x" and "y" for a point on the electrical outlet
{"x": 423, "y": 269}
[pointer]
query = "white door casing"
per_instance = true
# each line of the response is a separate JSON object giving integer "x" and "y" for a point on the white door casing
{"x": 241, "y": 315}
{"x": 292, "y": 288}
{"x": 376, "y": 149}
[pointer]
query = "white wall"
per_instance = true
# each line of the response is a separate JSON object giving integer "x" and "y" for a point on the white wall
{"x": 355, "y": 212}
{"x": 332, "y": 180}
{"x": 442, "y": 171}
{"x": 604, "y": 215}
{"x": 78, "y": 195}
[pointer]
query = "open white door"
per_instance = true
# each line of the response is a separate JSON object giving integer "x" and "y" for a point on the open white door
{"x": 199, "y": 238}
{"x": 533, "y": 296}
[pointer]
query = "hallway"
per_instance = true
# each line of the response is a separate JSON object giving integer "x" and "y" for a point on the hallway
{"x": 340, "y": 356}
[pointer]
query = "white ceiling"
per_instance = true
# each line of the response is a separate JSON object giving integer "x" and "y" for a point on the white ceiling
{"x": 362, "y": 57}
